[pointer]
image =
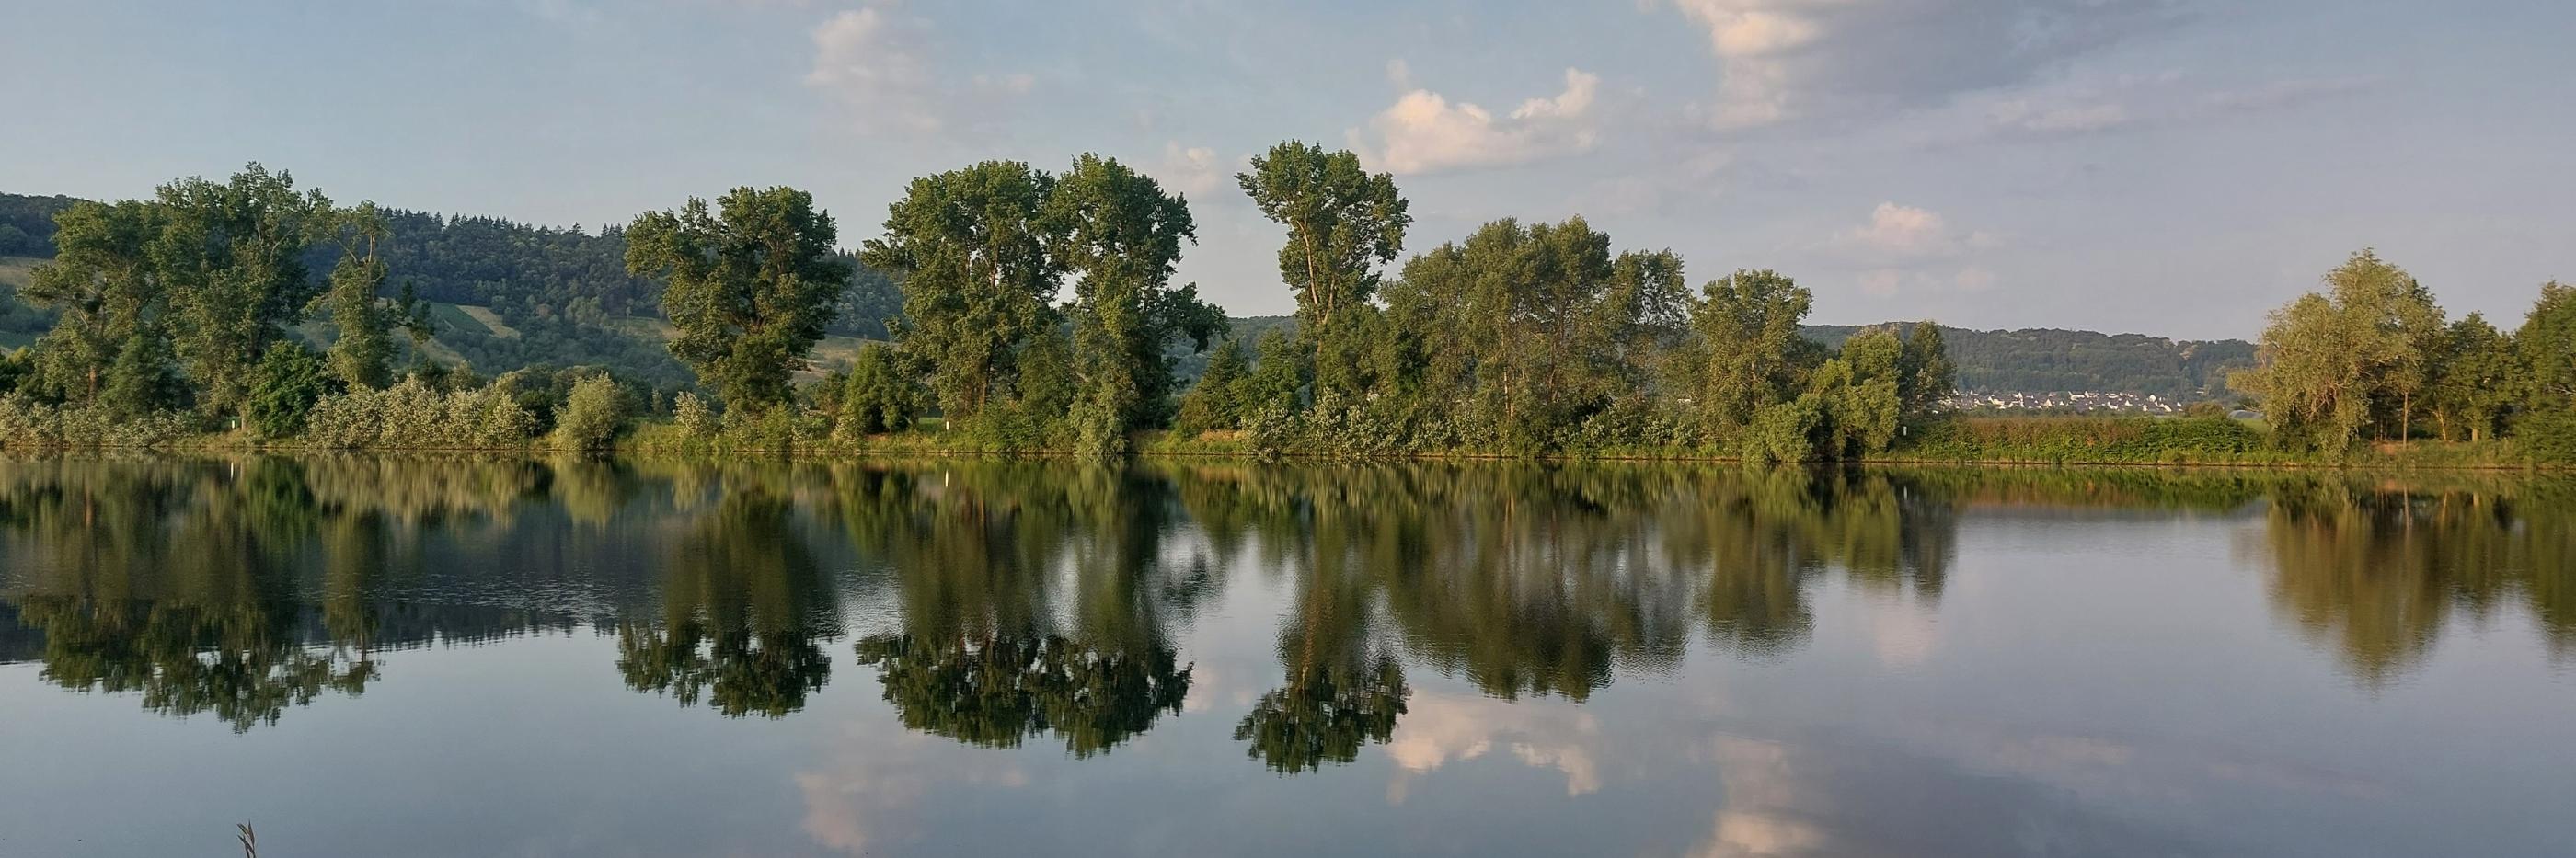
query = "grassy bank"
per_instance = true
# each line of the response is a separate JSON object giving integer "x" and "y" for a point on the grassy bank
{"x": 2045, "y": 441}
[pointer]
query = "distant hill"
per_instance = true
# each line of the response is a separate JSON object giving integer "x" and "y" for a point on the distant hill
{"x": 508, "y": 295}
{"x": 2038, "y": 360}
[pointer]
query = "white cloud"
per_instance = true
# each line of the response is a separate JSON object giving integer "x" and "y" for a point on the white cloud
{"x": 874, "y": 61}
{"x": 1903, "y": 232}
{"x": 1192, "y": 170}
{"x": 1425, "y": 132}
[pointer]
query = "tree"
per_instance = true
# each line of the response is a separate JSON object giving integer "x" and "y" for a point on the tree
{"x": 104, "y": 283}
{"x": 591, "y": 414}
{"x": 2547, "y": 342}
{"x": 362, "y": 354}
{"x": 1747, "y": 349}
{"x": 1343, "y": 222}
{"x": 1926, "y": 377}
{"x": 2472, "y": 378}
{"x": 1117, "y": 229}
{"x": 972, "y": 253}
{"x": 751, "y": 286}
{"x": 880, "y": 394}
{"x": 291, "y": 378}
{"x": 1535, "y": 330}
{"x": 1215, "y": 403}
{"x": 231, "y": 257}
{"x": 2329, "y": 365}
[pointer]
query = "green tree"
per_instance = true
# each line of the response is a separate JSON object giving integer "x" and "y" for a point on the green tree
{"x": 1122, "y": 235}
{"x": 362, "y": 354}
{"x": 2547, "y": 342}
{"x": 752, "y": 286}
{"x": 591, "y": 414}
{"x": 1747, "y": 354}
{"x": 1343, "y": 222}
{"x": 2473, "y": 379}
{"x": 290, "y": 379}
{"x": 103, "y": 282}
{"x": 1926, "y": 377}
{"x": 972, "y": 252}
{"x": 2331, "y": 364}
{"x": 1215, "y": 402}
{"x": 1535, "y": 331}
{"x": 231, "y": 256}
{"x": 880, "y": 394}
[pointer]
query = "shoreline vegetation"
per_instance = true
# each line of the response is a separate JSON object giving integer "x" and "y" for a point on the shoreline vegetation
{"x": 1039, "y": 317}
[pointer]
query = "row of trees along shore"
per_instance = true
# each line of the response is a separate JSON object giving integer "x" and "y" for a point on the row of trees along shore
{"x": 194, "y": 313}
{"x": 1523, "y": 338}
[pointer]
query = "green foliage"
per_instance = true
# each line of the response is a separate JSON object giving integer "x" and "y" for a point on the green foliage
{"x": 972, "y": 250}
{"x": 1747, "y": 354}
{"x": 2336, "y": 365}
{"x": 291, "y": 380}
{"x": 415, "y": 415}
{"x": 27, "y": 423}
{"x": 230, "y": 257}
{"x": 591, "y": 415}
{"x": 693, "y": 416}
{"x": 752, "y": 286}
{"x": 1215, "y": 403}
{"x": 362, "y": 352}
{"x": 879, "y": 395}
{"x": 2092, "y": 439}
{"x": 1121, "y": 236}
{"x": 1343, "y": 222}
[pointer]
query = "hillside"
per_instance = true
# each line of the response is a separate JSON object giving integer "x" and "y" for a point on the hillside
{"x": 2039, "y": 360}
{"x": 505, "y": 295}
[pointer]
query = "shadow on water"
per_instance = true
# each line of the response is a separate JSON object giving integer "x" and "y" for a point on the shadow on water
{"x": 1044, "y": 601}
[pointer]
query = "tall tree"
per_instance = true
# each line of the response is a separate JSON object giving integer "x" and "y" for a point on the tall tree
{"x": 1926, "y": 376}
{"x": 1118, "y": 231}
{"x": 2472, "y": 379}
{"x": 2547, "y": 341}
{"x": 2331, "y": 363}
{"x": 1747, "y": 348}
{"x": 1343, "y": 222}
{"x": 232, "y": 257}
{"x": 103, "y": 282}
{"x": 1535, "y": 329}
{"x": 971, "y": 251}
{"x": 752, "y": 285}
{"x": 362, "y": 354}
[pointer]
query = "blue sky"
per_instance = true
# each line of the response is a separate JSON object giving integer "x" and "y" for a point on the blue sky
{"x": 2159, "y": 166}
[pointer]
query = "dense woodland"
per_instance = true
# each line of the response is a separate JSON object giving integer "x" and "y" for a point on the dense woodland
{"x": 1032, "y": 310}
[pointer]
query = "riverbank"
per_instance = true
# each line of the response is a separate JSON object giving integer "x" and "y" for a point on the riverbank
{"x": 2014, "y": 442}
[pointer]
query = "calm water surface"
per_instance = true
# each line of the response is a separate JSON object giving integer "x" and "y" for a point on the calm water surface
{"x": 367, "y": 656}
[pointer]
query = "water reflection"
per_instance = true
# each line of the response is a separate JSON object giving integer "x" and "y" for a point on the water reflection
{"x": 984, "y": 653}
{"x": 1020, "y": 601}
{"x": 2376, "y": 571}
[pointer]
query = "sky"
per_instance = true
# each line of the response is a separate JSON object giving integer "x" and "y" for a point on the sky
{"x": 2167, "y": 167}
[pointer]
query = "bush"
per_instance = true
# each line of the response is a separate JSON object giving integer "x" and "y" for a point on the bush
{"x": 290, "y": 378}
{"x": 415, "y": 415}
{"x": 693, "y": 416}
{"x": 27, "y": 423}
{"x": 591, "y": 414}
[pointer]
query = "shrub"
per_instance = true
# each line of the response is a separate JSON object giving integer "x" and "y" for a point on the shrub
{"x": 693, "y": 416}
{"x": 27, "y": 423}
{"x": 591, "y": 414}
{"x": 414, "y": 414}
{"x": 290, "y": 378}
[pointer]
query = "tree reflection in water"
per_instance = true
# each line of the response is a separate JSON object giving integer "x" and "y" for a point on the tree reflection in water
{"x": 1046, "y": 600}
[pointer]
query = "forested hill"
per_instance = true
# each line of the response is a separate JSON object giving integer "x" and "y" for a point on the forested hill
{"x": 503, "y": 294}
{"x": 507, "y": 295}
{"x": 2036, "y": 360}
